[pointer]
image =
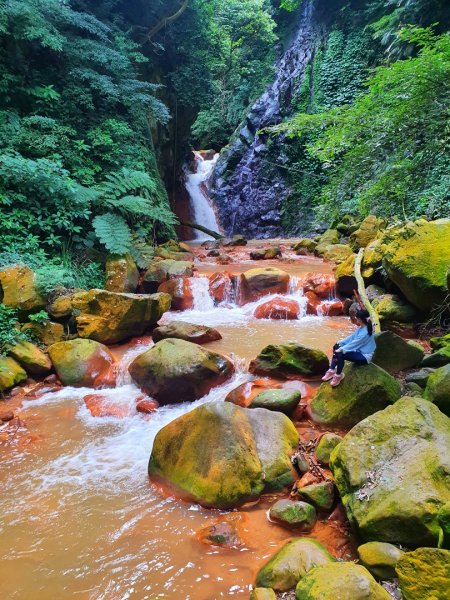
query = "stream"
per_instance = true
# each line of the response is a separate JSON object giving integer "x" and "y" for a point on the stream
{"x": 80, "y": 518}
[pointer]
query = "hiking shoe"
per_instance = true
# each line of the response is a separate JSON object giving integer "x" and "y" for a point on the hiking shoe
{"x": 329, "y": 375}
{"x": 337, "y": 379}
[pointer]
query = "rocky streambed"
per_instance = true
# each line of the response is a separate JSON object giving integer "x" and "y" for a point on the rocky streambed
{"x": 267, "y": 489}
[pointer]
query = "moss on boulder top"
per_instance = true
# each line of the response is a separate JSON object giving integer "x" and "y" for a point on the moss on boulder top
{"x": 290, "y": 359}
{"x": 392, "y": 471}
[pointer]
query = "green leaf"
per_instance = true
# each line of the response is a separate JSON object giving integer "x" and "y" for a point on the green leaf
{"x": 113, "y": 232}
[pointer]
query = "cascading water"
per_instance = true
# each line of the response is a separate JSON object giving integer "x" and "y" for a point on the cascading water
{"x": 196, "y": 185}
{"x": 249, "y": 198}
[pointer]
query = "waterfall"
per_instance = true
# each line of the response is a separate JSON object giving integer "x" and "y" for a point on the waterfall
{"x": 196, "y": 186}
{"x": 249, "y": 195}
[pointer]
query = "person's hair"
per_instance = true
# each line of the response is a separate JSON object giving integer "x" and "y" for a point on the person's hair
{"x": 364, "y": 315}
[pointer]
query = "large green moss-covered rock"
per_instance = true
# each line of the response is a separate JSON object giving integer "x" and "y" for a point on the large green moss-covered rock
{"x": 290, "y": 359}
{"x": 327, "y": 239}
{"x": 389, "y": 307}
{"x": 32, "y": 359}
{"x": 122, "y": 274}
{"x": 367, "y": 232}
{"x": 340, "y": 581}
{"x": 392, "y": 471}
{"x": 285, "y": 569}
{"x": 438, "y": 389}
{"x": 81, "y": 363}
{"x": 425, "y": 574}
{"x": 393, "y": 353}
{"x": 440, "y": 342}
{"x": 437, "y": 359}
{"x": 11, "y": 373}
{"x": 380, "y": 558}
{"x": 417, "y": 260}
{"x": 338, "y": 253}
{"x": 108, "y": 317}
{"x": 364, "y": 390}
{"x": 222, "y": 455}
{"x": 18, "y": 289}
{"x": 178, "y": 371}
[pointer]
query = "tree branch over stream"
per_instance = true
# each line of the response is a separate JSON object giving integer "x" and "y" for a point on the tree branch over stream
{"x": 165, "y": 21}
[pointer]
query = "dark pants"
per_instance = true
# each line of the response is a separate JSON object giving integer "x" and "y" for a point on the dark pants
{"x": 339, "y": 358}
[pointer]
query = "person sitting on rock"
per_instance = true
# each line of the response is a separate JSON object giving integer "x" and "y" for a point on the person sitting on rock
{"x": 357, "y": 348}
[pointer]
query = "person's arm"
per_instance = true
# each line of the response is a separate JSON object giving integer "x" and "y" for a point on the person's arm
{"x": 357, "y": 342}
{"x": 347, "y": 339}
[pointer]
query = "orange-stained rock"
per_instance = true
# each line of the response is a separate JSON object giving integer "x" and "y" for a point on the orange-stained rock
{"x": 102, "y": 406}
{"x": 332, "y": 309}
{"x": 224, "y": 532}
{"x": 146, "y": 405}
{"x": 6, "y": 416}
{"x": 180, "y": 290}
{"x": 307, "y": 479}
{"x": 278, "y": 308}
{"x": 322, "y": 285}
{"x": 219, "y": 286}
{"x": 81, "y": 363}
{"x": 313, "y": 303}
{"x": 243, "y": 394}
{"x": 107, "y": 378}
{"x": 256, "y": 283}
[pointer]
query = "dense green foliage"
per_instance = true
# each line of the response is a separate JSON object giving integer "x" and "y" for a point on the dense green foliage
{"x": 75, "y": 146}
{"x": 10, "y": 333}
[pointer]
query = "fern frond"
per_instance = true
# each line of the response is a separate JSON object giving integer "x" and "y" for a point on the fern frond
{"x": 141, "y": 251}
{"x": 113, "y": 232}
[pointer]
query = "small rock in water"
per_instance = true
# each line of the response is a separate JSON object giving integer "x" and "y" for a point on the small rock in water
{"x": 225, "y": 532}
{"x": 6, "y": 416}
{"x": 284, "y": 401}
{"x": 278, "y": 308}
{"x": 146, "y": 406}
{"x": 293, "y": 514}
{"x": 320, "y": 494}
{"x": 102, "y": 406}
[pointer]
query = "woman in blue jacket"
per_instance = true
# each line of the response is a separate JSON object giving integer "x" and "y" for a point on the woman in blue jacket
{"x": 357, "y": 348}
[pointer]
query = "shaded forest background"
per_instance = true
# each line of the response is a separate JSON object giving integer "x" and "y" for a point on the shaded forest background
{"x": 101, "y": 100}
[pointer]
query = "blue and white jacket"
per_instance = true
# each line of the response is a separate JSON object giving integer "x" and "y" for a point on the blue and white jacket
{"x": 359, "y": 341}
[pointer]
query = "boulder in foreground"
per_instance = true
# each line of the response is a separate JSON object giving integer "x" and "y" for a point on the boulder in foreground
{"x": 290, "y": 359}
{"x": 221, "y": 455}
{"x": 178, "y": 371}
{"x": 425, "y": 574}
{"x": 392, "y": 471}
{"x": 81, "y": 363}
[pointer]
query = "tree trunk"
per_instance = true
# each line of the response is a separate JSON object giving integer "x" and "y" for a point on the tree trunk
{"x": 165, "y": 21}
{"x": 362, "y": 292}
{"x": 214, "y": 234}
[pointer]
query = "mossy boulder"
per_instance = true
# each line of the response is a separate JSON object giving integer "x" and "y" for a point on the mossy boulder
{"x": 437, "y": 359}
{"x": 283, "y": 400}
{"x": 326, "y": 445}
{"x": 108, "y": 317}
{"x": 321, "y": 494}
{"x": 18, "y": 289}
{"x": 199, "y": 334}
{"x": 59, "y": 303}
{"x": 417, "y": 260}
{"x": 380, "y": 558}
{"x": 81, "y": 363}
{"x": 329, "y": 238}
{"x": 295, "y": 559}
{"x": 367, "y": 232}
{"x": 11, "y": 373}
{"x": 290, "y": 359}
{"x": 306, "y": 243}
{"x": 392, "y": 471}
{"x": 340, "y": 581}
{"x": 48, "y": 333}
{"x": 292, "y": 514}
{"x": 420, "y": 377}
{"x": 425, "y": 574}
{"x": 163, "y": 270}
{"x": 222, "y": 455}
{"x": 440, "y": 342}
{"x": 364, "y": 390}
{"x": 345, "y": 275}
{"x": 438, "y": 389}
{"x": 393, "y": 353}
{"x": 444, "y": 523}
{"x": 122, "y": 274}
{"x": 174, "y": 370}
{"x": 338, "y": 253}
{"x": 389, "y": 307}
{"x": 32, "y": 359}
{"x": 256, "y": 283}
{"x": 266, "y": 253}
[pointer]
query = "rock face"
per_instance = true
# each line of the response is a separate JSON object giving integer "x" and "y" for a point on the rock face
{"x": 18, "y": 289}
{"x": 285, "y": 569}
{"x": 389, "y": 307}
{"x": 256, "y": 283}
{"x": 290, "y": 359}
{"x": 222, "y": 455}
{"x": 178, "y": 371}
{"x": 417, "y": 262}
{"x": 425, "y": 574}
{"x": 189, "y": 332}
{"x": 392, "y": 471}
{"x": 32, "y": 359}
{"x": 393, "y": 354}
{"x": 438, "y": 389}
{"x": 81, "y": 363}
{"x": 122, "y": 274}
{"x": 11, "y": 373}
{"x": 365, "y": 390}
{"x": 109, "y": 318}
{"x": 343, "y": 581}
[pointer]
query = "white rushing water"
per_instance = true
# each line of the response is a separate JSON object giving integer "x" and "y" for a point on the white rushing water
{"x": 196, "y": 183}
